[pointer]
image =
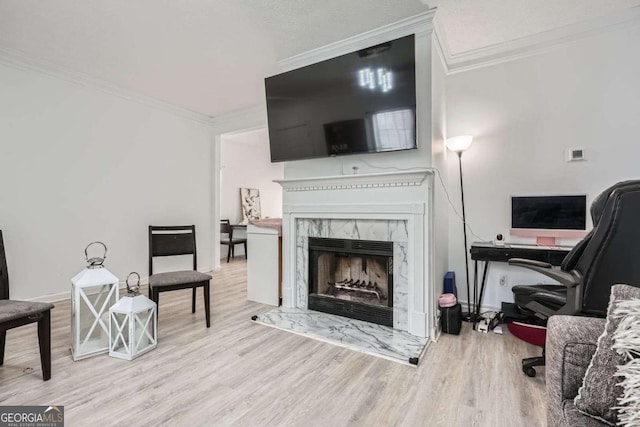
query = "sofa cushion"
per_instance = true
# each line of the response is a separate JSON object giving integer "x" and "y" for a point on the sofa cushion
{"x": 627, "y": 343}
{"x": 574, "y": 418}
{"x": 600, "y": 389}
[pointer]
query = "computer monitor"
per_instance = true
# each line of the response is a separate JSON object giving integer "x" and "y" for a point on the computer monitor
{"x": 549, "y": 217}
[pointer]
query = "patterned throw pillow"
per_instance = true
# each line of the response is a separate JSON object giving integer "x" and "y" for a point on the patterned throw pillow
{"x": 627, "y": 342}
{"x": 601, "y": 389}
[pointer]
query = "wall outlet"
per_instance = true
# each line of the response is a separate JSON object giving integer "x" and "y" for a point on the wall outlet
{"x": 503, "y": 280}
{"x": 353, "y": 167}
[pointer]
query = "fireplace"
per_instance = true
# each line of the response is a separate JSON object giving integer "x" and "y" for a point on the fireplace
{"x": 352, "y": 278}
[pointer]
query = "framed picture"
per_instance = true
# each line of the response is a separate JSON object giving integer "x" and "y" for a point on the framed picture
{"x": 250, "y": 202}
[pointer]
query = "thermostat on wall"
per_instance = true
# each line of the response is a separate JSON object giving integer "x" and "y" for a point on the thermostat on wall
{"x": 574, "y": 154}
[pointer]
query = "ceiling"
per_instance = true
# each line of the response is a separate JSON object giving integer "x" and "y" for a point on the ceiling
{"x": 211, "y": 56}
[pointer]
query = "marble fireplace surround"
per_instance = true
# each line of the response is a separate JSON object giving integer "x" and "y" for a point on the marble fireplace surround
{"x": 357, "y": 229}
{"x": 400, "y": 223}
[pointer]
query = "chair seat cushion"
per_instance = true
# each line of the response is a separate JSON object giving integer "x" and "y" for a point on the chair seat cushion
{"x": 234, "y": 241}
{"x": 11, "y": 309}
{"x": 177, "y": 278}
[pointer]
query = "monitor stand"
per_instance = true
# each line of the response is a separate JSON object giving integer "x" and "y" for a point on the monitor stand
{"x": 545, "y": 241}
{"x": 547, "y": 237}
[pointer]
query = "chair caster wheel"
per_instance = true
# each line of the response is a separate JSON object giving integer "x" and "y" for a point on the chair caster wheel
{"x": 530, "y": 372}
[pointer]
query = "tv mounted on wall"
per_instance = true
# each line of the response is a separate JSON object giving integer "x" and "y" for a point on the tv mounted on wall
{"x": 361, "y": 102}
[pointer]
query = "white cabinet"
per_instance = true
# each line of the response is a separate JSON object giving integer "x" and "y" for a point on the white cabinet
{"x": 264, "y": 272}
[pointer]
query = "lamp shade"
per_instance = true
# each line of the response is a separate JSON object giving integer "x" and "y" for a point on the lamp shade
{"x": 459, "y": 144}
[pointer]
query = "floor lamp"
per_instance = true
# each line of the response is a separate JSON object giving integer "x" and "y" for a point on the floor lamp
{"x": 458, "y": 145}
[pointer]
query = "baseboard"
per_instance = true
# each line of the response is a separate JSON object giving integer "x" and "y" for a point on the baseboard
{"x": 483, "y": 308}
{"x": 62, "y": 296}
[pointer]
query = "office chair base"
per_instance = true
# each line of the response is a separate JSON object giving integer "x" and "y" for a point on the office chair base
{"x": 529, "y": 363}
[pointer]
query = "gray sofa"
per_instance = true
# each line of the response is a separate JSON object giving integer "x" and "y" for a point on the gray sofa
{"x": 571, "y": 342}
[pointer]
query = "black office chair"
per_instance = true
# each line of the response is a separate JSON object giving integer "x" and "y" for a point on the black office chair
{"x": 605, "y": 257}
{"x": 171, "y": 241}
{"x": 18, "y": 313}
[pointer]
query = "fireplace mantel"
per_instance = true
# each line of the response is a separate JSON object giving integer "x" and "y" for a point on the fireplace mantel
{"x": 408, "y": 178}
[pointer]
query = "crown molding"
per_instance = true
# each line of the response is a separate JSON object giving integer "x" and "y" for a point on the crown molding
{"x": 243, "y": 120}
{"x": 20, "y": 61}
{"x": 472, "y": 59}
{"x": 533, "y": 44}
{"x": 417, "y": 24}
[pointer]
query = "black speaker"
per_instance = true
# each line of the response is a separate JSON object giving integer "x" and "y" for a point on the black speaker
{"x": 451, "y": 319}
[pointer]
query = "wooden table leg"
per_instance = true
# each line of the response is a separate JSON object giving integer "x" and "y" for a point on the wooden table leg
{"x": 44, "y": 339}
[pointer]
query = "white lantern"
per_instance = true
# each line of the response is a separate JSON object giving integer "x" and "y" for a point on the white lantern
{"x": 93, "y": 291}
{"x": 133, "y": 324}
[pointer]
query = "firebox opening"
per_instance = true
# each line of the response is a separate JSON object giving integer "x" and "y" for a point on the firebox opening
{"x": 352, "y": 278}
{"x": 355, "y": 278}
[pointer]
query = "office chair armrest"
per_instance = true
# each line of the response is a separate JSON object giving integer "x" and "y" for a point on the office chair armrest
{"x": 565, "y": 278}
{"x": 527, "y": 263}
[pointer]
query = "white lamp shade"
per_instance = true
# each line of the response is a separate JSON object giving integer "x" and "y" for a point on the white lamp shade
{"x": 459, "y": 144}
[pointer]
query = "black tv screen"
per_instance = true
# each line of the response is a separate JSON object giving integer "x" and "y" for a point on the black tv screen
{"x": 549, "y": 212}
{"x": 361, "y": 102}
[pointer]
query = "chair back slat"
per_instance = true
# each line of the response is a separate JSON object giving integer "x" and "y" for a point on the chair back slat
{"x": 225, "y": 228}
{"x": 4, "y": 273}
{"x": 170, "y": 241}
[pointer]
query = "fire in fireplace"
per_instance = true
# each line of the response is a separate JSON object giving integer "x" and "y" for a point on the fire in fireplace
{"x": 352, "y": 278}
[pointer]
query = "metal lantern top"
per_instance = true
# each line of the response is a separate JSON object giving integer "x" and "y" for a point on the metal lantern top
{"x": 131, "y": 305}
{"x": 133, "y": 302}
{"x": 94, "y": 273}
{"x": 134, "y": 290}
{"x": 95, "y": 262}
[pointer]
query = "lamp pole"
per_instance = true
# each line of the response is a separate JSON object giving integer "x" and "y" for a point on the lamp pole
{"x": 466, "y": 248}
{"x": 458, "y": 145}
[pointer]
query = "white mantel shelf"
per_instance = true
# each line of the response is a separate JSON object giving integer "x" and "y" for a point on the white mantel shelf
{"x": 409, "y": 178}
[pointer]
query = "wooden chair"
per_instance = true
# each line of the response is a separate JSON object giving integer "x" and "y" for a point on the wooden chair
{"x": 171, "y": 241}
{"x": 18, "y": 313}
{"x": 230, "y": 241}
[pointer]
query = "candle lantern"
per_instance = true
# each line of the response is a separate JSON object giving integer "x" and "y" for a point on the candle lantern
{"x": 93, "y": 291}
{"x": 133, "y": 324}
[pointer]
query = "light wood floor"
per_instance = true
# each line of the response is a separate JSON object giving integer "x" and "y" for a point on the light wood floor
{"x": 241, "y": 373}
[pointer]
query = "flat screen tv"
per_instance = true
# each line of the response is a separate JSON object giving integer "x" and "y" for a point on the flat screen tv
{"x": 361, "y": 102}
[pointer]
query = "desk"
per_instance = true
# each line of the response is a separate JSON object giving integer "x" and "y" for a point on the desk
{"x": 487, "y": 252}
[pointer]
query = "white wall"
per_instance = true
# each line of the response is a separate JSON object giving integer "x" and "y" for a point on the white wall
{"x": 439, "y": 155}
{"x": 78, "y": 164}
{"x": 524, "y": 114}
{"x": 246, "y": 163}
